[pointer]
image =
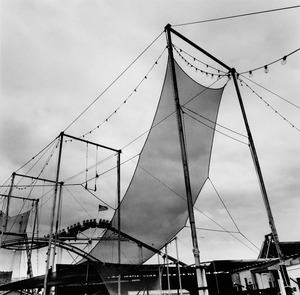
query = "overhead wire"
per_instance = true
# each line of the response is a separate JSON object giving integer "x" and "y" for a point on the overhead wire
{"x": 236, "y": 16}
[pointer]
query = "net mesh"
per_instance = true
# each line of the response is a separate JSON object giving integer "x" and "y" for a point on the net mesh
{"x": 13, "y": 227}
{"x": 154, "y": 208}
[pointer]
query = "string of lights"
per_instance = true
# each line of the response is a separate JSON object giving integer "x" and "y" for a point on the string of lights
{"x": 113, "y": 82}
{"x": 34, "y": 181}
{"x": 265, "y": 67}
{"x": 268, "y": 104}
{"x": 219, "y": 73}
{"x": 128, "y": 97}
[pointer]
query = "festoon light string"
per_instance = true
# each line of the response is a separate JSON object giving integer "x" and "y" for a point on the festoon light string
{"x": 265, "y": 67}
{"x": 128, "y": 97}
{"x": 219, "y": 73}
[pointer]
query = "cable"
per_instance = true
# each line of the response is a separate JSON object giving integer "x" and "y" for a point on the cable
{"x": 231, "y": 215}
{"x": 236, "y": 16}
{"x": 125, "y": 101}
{"x": 224, "y": 205}
{"x": 113, "y": 82}
{"x": 276, "y": 112}
{"x": 213, "y": 128}
{"x": 282, "y": 59}
{"x": 293, "y": 104}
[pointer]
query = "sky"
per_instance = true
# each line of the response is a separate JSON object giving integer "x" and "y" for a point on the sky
{"x": 60, "y": 57}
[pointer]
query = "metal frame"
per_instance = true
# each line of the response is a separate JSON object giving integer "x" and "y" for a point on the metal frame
{"x": 232, "y": 71}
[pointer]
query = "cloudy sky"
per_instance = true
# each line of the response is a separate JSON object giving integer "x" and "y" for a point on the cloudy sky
{"x": 58, "y": 57}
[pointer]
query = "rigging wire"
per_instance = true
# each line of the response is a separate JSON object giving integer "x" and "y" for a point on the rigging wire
{"x": 276, "y": 112}
{"x": 94, "y": 195}
{"x": 113, "y": 82}
{"x": 217, "y": 230}
{"x": 236, "y": 16}
{"x": 224, "y": 204}
{"x": 78, "y": 202}
{"x": 231, "y": 137}
{"x": 219, "y": 225}
{"x": 46, "y": 147}
{"x": 124, "y": 102}
{"x": 91, "y": 167}
{"x": 231, "y": 215}
{"x": 284, "y": 99}
{"x": 229, "y": 232}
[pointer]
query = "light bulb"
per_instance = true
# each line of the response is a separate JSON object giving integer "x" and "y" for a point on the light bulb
{"x": 266, "y": 69}
{"x": 283, "y": 61}
{"x": 250, "y": 74}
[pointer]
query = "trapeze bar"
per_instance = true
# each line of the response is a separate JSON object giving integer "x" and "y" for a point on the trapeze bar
{"x": 92, "y": 143}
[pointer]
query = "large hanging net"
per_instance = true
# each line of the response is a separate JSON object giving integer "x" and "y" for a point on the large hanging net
{"x": 154, "y": 208}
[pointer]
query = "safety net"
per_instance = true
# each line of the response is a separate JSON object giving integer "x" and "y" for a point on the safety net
{"x": 13, "y": 228}
{"x": 154, "y": 208}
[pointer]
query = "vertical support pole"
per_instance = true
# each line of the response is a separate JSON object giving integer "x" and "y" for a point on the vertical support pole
{"x": 285, "y": 277}
{"x": 178, "y": 268}
{"x": 168, "y": 272}
{"x": 8, "y": 197}
{"x": 119, "y": 216}
{"x": 159, "y": 275}
{"x": 196, "y": 252}
{"x": 57, "y": 225}
{"x": 46, "y": 289}
{"x": 4, "y": 225}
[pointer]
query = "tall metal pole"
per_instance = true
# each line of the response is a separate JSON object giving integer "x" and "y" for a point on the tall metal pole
{"x": 57, "y": 223}
{"x": 283, "y": 270}
{"x": 254, "y": 155}
{"x": 47, "y": 291}
{"x": 5, "y": 222}
{"x": 202, "y": 289}
{"x": 119, "y": 216}
{"x": 178, "y": 267}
